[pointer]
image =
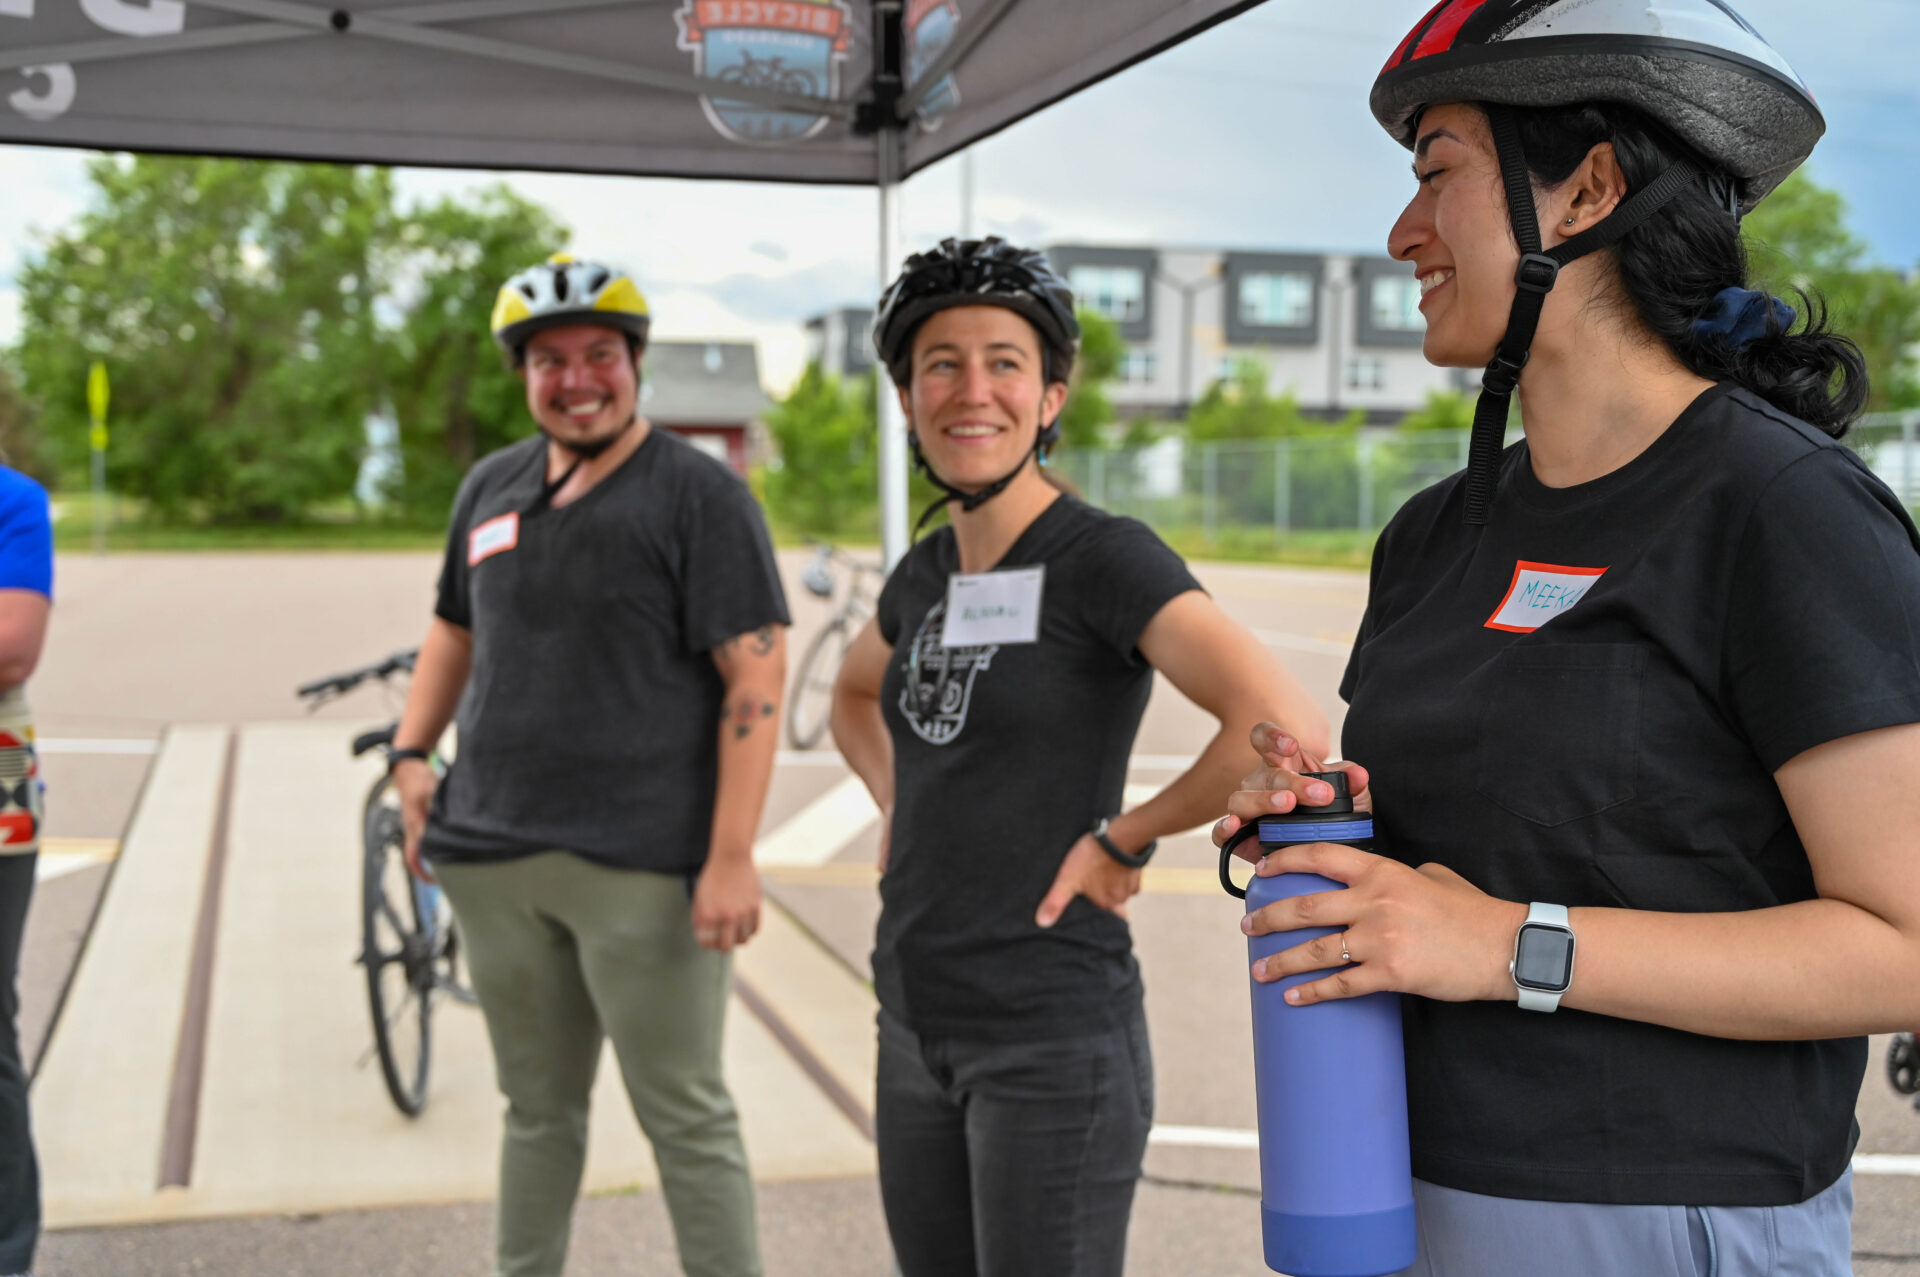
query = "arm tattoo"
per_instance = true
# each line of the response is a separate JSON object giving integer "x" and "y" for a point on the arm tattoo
{"x": 746, "y": 716}
{"x": 763, "y": 641}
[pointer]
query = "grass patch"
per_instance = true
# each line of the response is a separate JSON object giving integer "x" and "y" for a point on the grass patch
{"x": 1325, "y": 548}
{"x": 128, "y": 528}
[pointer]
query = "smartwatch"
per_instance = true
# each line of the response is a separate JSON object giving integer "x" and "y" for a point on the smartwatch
{"x": 1542, "y": 965}
{"x": 1112, "y": 848}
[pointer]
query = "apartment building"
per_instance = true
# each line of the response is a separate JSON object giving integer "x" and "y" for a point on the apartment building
{"x": 1337, "y": 331}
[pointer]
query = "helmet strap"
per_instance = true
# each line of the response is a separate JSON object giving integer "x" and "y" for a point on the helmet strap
{"x": 969, "y": 501}
{"x": 1533, "y": 280}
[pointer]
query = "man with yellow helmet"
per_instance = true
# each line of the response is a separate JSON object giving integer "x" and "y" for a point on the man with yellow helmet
{"x": 610, "y": 637}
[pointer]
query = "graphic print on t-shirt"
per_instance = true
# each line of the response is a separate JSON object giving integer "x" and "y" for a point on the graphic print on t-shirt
{"x": 939, "y": 679}
{"x": 1540, "y": 592}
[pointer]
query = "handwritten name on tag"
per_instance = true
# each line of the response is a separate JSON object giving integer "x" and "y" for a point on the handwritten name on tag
{"x": 1540, "y": 592}
{"x": 495, "y": 536}
{"x": 993, "y": 607}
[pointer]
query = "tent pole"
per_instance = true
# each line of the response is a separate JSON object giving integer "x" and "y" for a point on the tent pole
{"x": 893, "y": 423}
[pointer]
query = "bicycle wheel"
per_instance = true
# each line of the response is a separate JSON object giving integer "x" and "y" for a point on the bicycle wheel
{"x": 812, "y": 698}
{"x": 400, "y": 933}
{"x": 1903, "y": 1064}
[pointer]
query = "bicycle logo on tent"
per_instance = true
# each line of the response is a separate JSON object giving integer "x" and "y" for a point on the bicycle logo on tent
{"x": 784, "y": 46}
{"x": 930, "y": 28}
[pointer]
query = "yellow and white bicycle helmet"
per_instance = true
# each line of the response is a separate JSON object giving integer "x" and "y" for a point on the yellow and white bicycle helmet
{"x": 562, "y": 291}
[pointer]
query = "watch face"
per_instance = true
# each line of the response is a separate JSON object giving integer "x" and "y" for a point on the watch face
{"x": 1544, "y": 959}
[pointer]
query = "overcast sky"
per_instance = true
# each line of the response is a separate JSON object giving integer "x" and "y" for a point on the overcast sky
{"x": 1255, "y": 135}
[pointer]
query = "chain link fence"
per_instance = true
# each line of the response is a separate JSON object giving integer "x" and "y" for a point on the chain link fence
{"x": 1336, "y": 492}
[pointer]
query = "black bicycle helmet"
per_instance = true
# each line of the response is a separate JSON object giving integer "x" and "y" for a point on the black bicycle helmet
{"x": 978, "y": 272}
{"x": 1695, "y": 66}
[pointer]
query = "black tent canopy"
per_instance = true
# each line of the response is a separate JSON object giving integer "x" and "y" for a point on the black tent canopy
{"x": 820, "y": 91}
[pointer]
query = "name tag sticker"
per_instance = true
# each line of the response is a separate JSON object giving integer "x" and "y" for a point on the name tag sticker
{"x": 1540, "y": 592}
{"x": 495, "y": 536}
{"x": 993, "y": 607}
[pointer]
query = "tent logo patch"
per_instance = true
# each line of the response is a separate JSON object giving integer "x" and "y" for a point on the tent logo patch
{"x": 931, "y": 25}
{"x": 1540, "y": 592}
{"x": 779, "y": 46}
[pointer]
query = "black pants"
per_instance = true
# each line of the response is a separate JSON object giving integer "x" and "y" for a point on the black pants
{"x": 19, "y": 1170}
{"x": 1006, "y": 1159}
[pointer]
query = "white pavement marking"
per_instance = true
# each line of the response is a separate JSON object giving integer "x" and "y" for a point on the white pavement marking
{"x": 1222, "y": 1137}
{"x": 1886, "y": 1164}
{"x": 1302, "y": 643}
{"x": 1203, "y": 1137}
{"x": 100, "y": 1102}
{"x": 810, "y": 758}
{"x": 820, "y": 830}
{"x": 62, "y": 856}
{"x": 97, "y": 745}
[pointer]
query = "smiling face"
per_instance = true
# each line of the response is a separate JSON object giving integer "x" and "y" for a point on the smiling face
{"x": 978, "y": 393}
{"x": 1456, "y": 233}
{"x": 582, "y": 382}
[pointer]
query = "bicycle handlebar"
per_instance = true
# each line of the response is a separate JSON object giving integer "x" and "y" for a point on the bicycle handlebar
{"x": 340, "y": 684}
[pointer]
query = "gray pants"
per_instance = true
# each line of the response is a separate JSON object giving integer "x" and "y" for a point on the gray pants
{"x": 564, "y": 954}
{"x": 1468, "y": 1235}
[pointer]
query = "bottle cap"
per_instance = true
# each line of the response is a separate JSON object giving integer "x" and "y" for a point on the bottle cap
{"x": 1342, "y": 803}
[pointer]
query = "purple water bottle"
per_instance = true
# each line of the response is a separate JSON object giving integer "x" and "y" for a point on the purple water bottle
{"x": 1336, "y": 1180}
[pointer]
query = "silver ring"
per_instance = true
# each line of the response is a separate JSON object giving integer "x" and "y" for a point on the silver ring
{"x": 1344, "y": 955}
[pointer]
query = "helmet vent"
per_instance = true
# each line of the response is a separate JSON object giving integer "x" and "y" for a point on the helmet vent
{"x": 560, "y": 285}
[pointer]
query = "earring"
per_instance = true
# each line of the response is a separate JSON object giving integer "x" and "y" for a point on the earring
{"x": 1569, "y": 221}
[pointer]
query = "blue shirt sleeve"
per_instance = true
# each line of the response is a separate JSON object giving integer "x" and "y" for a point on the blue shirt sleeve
{"x": 26, "y": 535}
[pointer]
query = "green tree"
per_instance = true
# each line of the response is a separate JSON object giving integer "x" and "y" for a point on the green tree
{"x": 1101, "y": 350}
{"x": 234, "y": 303}
{"x": 19, "y": 432}
{"x": 1798, "y": 239}
{"x": 1444, "y": 410}
{"x": 454, "y": 396}
{"x": 826, "y": 480}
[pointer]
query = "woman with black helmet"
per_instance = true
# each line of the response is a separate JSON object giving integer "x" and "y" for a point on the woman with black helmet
{"x": 991, "y": 707}
{"x": 1636, "y": 700}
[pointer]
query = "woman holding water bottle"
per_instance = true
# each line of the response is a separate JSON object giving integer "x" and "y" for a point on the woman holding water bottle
{"x": 1635, "y": 702}
{"x": 1015, "y": 1084}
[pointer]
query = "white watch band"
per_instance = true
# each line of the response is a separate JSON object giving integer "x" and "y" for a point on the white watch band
{"x": 1539, "y": 914}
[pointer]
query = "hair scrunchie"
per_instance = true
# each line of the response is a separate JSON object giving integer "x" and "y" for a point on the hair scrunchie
{"x": 1739, "y": 315}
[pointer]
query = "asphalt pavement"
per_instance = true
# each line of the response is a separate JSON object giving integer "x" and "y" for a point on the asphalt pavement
{"x": 156, "y": 663}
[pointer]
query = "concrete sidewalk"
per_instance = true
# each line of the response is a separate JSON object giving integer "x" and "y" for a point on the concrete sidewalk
{"x": 290, "y": 1114}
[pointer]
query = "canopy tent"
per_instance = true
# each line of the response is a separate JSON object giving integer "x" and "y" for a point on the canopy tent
{"x": 823, "y": 91}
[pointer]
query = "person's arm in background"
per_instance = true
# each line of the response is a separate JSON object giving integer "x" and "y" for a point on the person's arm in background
{"x": 726, "y": 900}
{"x": 858, "y": 727}
{"x": 439, "y": 676}
{"x": 1221, "y": 667}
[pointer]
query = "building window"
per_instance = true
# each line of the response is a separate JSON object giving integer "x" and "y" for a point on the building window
{"x": 1137, "y": 368}
{"x": 1117, "y": 292}
{"x": 1366, "y": 374}
{"x": 1232, "y": 365}
{"x": 1396, "y": 304}
{"x": 713, "y": 358}
{"x": 1281, "y": 300}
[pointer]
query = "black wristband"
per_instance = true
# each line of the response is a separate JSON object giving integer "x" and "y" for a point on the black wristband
{"x": 397, "y": 756}
{"x": 1112, "y": 848}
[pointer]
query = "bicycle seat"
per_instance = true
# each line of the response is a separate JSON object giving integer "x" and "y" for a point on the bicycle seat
{"x": 378, "y": 738}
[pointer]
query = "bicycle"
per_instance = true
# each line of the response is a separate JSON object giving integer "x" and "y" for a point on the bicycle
{"x": 1903, "y": 1065}
{"x": 769, "y": 73}
{"x": 409, "y": 943}
{"x": 812, "y": 698}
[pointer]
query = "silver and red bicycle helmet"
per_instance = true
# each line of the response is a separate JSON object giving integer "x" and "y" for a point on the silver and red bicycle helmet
{"x": 1694, "y": 66}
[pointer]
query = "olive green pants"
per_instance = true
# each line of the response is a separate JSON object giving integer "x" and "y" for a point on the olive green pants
{"x": 564, "y": 952}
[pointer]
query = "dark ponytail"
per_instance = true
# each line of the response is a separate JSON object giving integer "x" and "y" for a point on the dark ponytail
{"x": 1674, "y": 266}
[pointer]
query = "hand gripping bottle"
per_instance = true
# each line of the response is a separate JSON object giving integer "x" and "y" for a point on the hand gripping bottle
{"x": 1335, "y": 1175}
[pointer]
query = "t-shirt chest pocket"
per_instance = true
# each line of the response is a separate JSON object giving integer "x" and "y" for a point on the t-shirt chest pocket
{"x": 1560, "y": 730}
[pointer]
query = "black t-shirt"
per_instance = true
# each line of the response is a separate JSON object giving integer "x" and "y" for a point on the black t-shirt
{"x": 590, "y": 722}
{"x": 1004, "y": 755}
{"x": 1584, "y": 703}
